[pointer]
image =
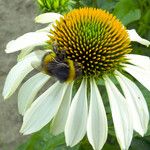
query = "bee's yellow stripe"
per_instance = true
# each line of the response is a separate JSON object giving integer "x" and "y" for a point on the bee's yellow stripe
{"x": 48, "y": 58}
{"x": 72, "y": 73}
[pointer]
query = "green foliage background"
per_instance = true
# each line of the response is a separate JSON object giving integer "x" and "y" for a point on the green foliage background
{"x": 133, "y": 14}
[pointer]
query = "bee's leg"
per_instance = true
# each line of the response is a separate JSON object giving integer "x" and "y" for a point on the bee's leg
{"x": 63, "y": 54}
{"x": 78, "y": 70}
{"x": 55, "y": 48}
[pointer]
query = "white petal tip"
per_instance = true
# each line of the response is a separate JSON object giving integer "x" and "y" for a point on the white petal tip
{"x": 135, "y": 37}
{"x": 142, "y": 132}
{"x": 7, "y": 51}
{"x": 26, "y": 41}
{"x": 5, "y": 96}
{"x": 24, "y": 131}
{"x": 37, "y": 19}
{"x": 147, "y": 43}
{"x": 144, "y": 42}
{"x": 9, "y": 47}
{"x": 21, "y": 112}
{"x": 70, "y": 144}
{"x": 21, "y": 131}
{"x": 40, "y": 19}
{"x": 47, "y": 18}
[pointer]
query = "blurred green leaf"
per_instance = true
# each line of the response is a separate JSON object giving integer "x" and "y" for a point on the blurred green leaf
{"x": 85, "y": 145}
{"x": 127, "y": 11}
{"x": 140, "y": 144}
{"x": 42, "y": 140}
{"x": 143, "y": 24}
{"x": 106, "y": 4}
{"x": 111, "y": 147}
{"x": 131, "y": 16}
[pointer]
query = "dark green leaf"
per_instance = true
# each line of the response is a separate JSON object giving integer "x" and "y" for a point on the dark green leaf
{"x": 127, "y": 11}
{"x": 131, "y": 16}
{"x": 106, "y": 4}
{"x": 140, "y": 144}
{"x": 42, "y": 140}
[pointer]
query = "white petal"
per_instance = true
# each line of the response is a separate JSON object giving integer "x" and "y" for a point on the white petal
{"x": 17, "y": 74}
{"x": 139, "y": 60}
{"x": 120, "y": 114}
{"x": 75, "y": 128}
{"x": 136, "y": 103}
{"x": 47, "y": 29}
{"x": 135, "y": 37}
{"x": 43, "y": 109}
{"x": 26, "y": 41}
{"x": 143, "y": 76}
{"x": 24, "y": 53}
{"x": 48, "y": 17}
{"x": 59, "y": 121}
{"x": 29, "y": 90}
{"x": 97, "y": 126}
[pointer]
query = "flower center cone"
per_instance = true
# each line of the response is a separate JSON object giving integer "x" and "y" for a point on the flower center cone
{"x": 93, "y": 38}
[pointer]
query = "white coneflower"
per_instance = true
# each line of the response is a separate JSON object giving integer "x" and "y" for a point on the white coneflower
{"x": 100, "y": 44}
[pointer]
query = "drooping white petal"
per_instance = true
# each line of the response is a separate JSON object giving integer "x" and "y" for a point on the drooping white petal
{"x": 136, "y": 103}
{"x": 59, "y": 121}
{"x": 47, "y": 29}
{"x": 29, "y": 90}
{"x": 17, "y": 74}
{"x": 120, "y": 114}
{"x": 43, "y": 109}
{"x": 135, "y": 37}
{"x": 24, "y": 53}
{"x": 142, "y": 75}
{"x": 48, "y": 17}
{"x": 97, "y": 126}
{"x": 139, "y": 60}
{"x": 26, "y": 41}
{"x": 75, "y": 128}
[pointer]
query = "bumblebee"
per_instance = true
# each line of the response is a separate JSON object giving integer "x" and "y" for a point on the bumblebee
{"x": 57, "y": 65}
